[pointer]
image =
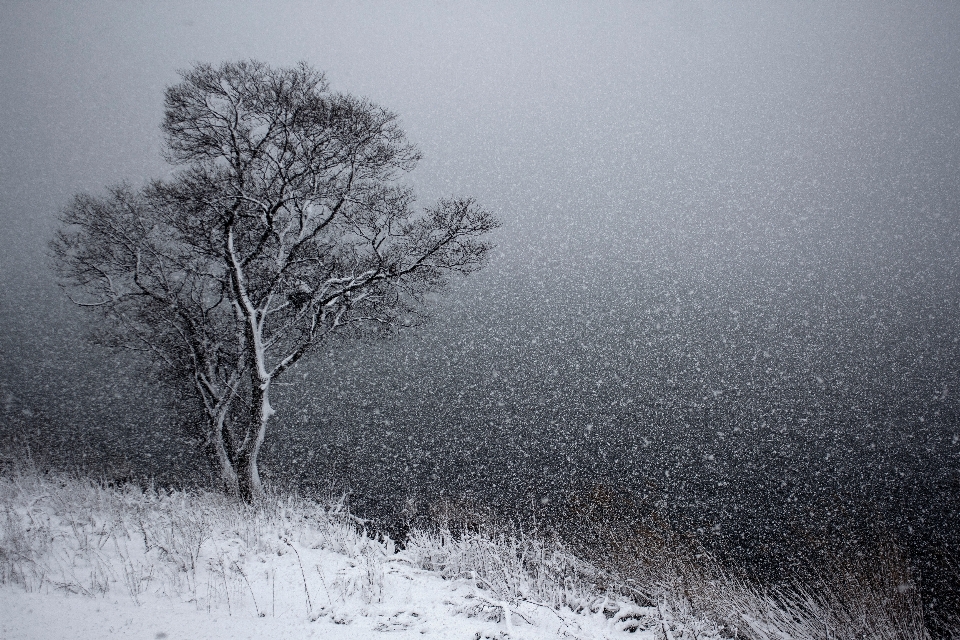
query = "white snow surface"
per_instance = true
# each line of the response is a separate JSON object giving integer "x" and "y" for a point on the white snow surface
{"x": 415, "y": 605}
{"x": 83, "y": 561}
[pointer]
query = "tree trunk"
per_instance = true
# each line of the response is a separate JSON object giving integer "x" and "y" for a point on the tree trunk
{"x": 218, "y": 448}
{"x": 228, "y": 474}
{"x": 248, "y": 476}
{"x": 251, "y": 487}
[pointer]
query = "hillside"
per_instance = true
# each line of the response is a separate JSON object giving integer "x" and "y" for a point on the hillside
{"x": 81, "y": 560}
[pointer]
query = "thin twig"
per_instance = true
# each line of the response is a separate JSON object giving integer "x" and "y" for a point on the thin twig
{"x": 303, "y": 574}
{"x": 252, "y": 595}
{"x": 324, "y": 583}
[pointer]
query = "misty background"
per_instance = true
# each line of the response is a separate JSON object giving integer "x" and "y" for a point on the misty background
{"x": 727, "y": 286}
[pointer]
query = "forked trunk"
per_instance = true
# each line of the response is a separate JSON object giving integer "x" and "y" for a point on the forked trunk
{"x": 251, "y": 487}
{"x": 228, "y": 474}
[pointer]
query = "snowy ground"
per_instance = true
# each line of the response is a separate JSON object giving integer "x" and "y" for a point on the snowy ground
{"x": 415, "y": 606}
{"x": 81, "y": 561}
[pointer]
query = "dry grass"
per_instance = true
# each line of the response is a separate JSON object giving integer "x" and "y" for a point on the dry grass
{"x": 67, "y": 533}
{"x": 874, "y": 597}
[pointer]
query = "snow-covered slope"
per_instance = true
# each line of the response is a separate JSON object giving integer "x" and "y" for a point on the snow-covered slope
{"x": 415, "y": 605}
{"x": 81, "y": 561}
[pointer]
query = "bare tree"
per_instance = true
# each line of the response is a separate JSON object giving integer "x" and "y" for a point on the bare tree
{"x": 284, "y": 224}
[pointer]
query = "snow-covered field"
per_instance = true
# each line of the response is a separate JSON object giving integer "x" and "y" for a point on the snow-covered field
{"x": 79, "y": 560}
{"x": 82, "y": 560}
{"x": 414, "y": 604}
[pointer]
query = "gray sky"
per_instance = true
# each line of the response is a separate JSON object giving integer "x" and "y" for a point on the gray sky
{"x": 575, "y": 120}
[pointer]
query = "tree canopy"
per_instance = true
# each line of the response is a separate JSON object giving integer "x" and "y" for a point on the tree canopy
{"x": 284, "y": 223}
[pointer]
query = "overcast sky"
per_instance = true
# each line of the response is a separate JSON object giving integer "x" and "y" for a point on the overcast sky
{"x": 793, "y": 165}
{"x": 563, "y": 117}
